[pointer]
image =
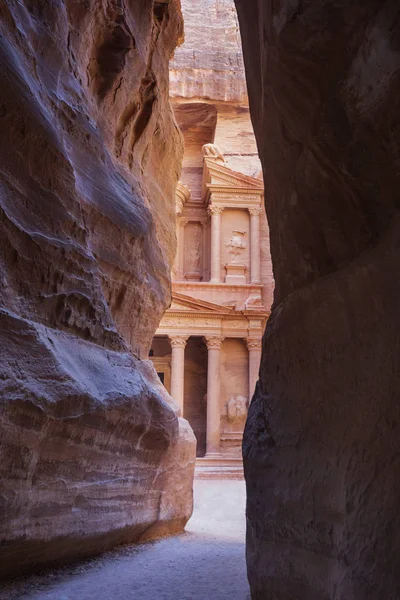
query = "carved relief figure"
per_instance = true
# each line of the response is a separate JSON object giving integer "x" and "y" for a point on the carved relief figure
{"x": 212, "y": 151}
{"x": 194, "y": 256}
{"x": 236, "y": 244}
{"x": 253, "y": 300}
{"x": 193, "y": 248}
{"x": 236, "y": 409}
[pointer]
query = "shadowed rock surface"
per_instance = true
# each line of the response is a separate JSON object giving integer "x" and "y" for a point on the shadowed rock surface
{"x": 322, "y": 440}
{"x": 92, "y": 451}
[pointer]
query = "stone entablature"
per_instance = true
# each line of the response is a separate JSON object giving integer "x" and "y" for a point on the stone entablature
{"x": 214, "y": 323}
{"x": 237, "y": 297}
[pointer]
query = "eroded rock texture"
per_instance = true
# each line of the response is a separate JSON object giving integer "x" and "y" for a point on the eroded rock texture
{"x": 92, "y": 450}
{"x": 208, "y": 90}
{"x": 323, "y": 436}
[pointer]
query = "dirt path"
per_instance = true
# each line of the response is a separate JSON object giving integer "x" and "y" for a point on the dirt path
{"x": 205, "y": 563}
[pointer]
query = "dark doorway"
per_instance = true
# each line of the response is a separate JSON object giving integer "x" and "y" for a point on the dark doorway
{"x": 195, "y": 401}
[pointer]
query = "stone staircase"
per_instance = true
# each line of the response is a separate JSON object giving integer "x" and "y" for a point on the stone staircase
{"x": 219, "y": 467}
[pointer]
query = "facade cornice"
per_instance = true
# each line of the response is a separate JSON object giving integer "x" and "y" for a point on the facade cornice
{"x": 245, "y": 315}
{"x": 232, "y": 197}
{"x": 222, "y": 286}
{"x": 198, "y": 304}
{"x": 228, "y": 181}
{"x": 213, "y": 168}
{"x": 234, "y": 191}
{"x": 195, "y": 315}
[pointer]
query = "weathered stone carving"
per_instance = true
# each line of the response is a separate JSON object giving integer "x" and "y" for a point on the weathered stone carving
{"x": 236, "y": 409}
{"x": 178, "y": 341}
{"x": 236, "y": 245}
{"x": 253, "y": 300}
{"x": 191, "y": 324}
{"x": 254, "y": 343}
{"x": 193, "y": 252}
{"x": 230, "y": 303}
{"x": 214, "y": 341}
{"x": 211, "y": 151}
{"x": 215, "y": 209}
{"x": 255, "y": 211}
{"x": 182, "y": 195}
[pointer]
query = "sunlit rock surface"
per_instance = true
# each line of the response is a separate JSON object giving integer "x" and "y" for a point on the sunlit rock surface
{"x": 323, "y": 437}
{"x": 210, "y": 62}
{"x": 208, "y": 89}
{"x": 90, "y": 155}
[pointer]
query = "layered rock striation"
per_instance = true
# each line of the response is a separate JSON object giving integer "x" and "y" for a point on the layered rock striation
{"x": 322, "y": 445}
{"x": 92, "y": 450}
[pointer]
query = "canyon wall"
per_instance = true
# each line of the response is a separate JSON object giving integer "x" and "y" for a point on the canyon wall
{"x": 93, "y": 452}
{"x": 322, "y": 440}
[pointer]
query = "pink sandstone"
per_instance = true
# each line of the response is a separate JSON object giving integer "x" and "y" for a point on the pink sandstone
{"x": 92, "y": 450}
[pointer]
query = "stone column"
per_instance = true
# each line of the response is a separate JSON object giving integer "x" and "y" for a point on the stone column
{"x": 204, "y": 224}
{"x": 178, "y": 344}
{"x": 181, "y": 248}
{"x": 215, "y": 212}
{"x": 254, "y": 346}
{"x": 255, "y": 255}
{"x": 214, "y": 344}
{"x": 176, "y": 267}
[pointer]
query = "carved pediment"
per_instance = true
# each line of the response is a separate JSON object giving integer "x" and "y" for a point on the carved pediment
{"x": 183, "y": 303}
{"x": 219, "y": 175}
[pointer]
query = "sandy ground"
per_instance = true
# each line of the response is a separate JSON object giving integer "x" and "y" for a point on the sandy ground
{"x": 205, "y": 563}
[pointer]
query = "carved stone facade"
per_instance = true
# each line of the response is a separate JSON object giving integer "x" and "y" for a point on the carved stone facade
{"x": 222, "y": 276}
{"x": 208, "y": 346}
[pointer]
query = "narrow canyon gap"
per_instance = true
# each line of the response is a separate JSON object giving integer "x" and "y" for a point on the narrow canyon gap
{"x": 92, "y": 451}
{"x": 222, "y": 283}
{"x": 321, "y": 445}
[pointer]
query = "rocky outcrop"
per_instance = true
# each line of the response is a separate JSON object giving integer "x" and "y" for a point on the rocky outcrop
{"x": 90, "y": 157}
{"x": 210, "y": 62}
{"x": 208, "y": 89}
{"x": 322, "y": 440}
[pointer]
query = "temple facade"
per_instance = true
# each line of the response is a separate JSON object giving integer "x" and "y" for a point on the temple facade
{"x": 208, "y": 346}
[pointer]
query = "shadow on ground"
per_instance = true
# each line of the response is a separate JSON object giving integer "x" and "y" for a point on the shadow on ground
{"x": 205, "y": 563}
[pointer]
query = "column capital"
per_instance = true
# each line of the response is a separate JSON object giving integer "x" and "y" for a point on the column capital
{"x": 178, "y": 341}
{"x": 204, "y": 222}
{"x": 255, "y": 211}
{"x": 182, "y": 221}
{"x": 213, "y": 341}
{"x": 215, "y": 209}
{"x": 254, "y": 343}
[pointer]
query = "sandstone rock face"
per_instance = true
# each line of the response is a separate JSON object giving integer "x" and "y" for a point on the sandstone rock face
{"x": 92, "y": 450}
{"x": 210, "y": 62}
{"x": 322, "y": 440}
{"x": 208, "y": 88}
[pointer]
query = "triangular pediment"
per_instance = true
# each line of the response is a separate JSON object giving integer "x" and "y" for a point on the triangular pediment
{"x": 216, "y": 174}
{"x": 183, "y": 303}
